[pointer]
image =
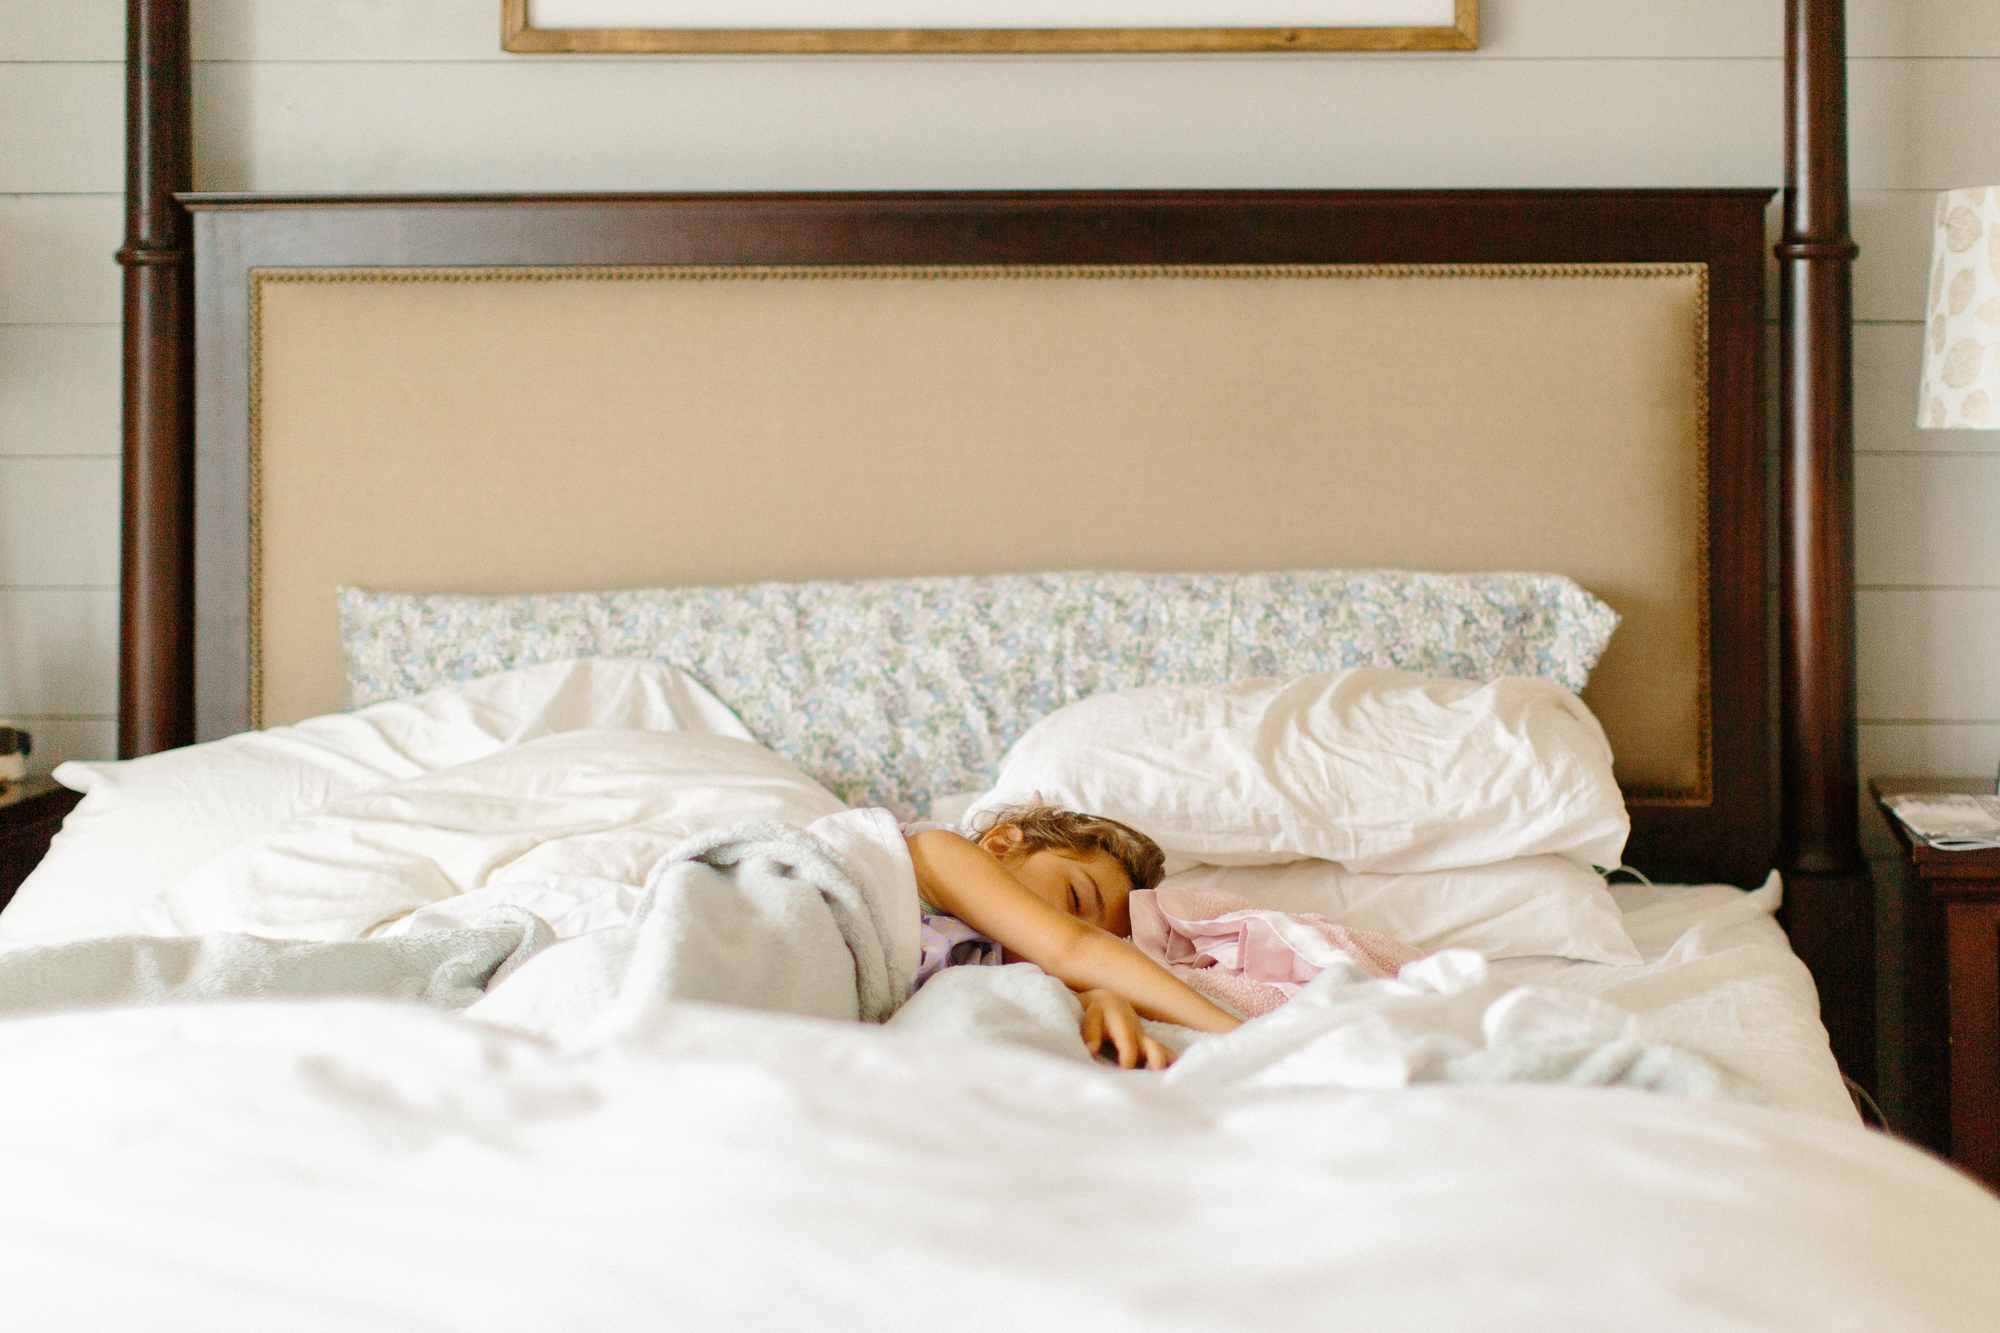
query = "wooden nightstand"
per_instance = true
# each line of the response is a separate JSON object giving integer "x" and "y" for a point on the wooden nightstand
{"x": 1954, "y": 989}
{"x": 30, "y": 813}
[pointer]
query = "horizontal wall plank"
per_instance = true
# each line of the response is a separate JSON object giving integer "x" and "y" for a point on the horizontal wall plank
{"x": 1923, "y": 124}
{"x": 59, "y": 739}
{"x": 60, "y": 389}
{"x": 470, "y": 30}
{"x": 1931, "y": 655}
{"x": 1930, "y": 519}
{"x": 63, "y": 29}
{"x": 1936, "y": 28}
{"x": 347, "y": 30}
{"x": 58, "y": 652}
{"x": 1892, "y": 273}
{"x": 926, "y": 125}
{"x": 59, "y": 522}
{"x": 1625, "y": 29}
{"x": 1888, "y": 359}
{"x": 1939, "y": 751}
{"x": 62, "y": 128}
{"x": 57, "y": 258}
{"x": 1950, "y": 750}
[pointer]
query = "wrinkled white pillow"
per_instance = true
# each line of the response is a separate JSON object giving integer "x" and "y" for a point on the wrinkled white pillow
{"x": 604, "y": 804}
{"x": 143, "y": 823}
{"x": 1382, "y": 771}
{"x": 1530, "y": 906}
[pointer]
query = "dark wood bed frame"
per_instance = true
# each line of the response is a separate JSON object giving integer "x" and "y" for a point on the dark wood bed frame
{"x": 180, "y": 572}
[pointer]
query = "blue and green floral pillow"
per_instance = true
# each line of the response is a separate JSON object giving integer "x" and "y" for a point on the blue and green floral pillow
{"x": 896, "y": 691}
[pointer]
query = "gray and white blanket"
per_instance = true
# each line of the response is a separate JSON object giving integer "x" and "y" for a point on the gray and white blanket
{"x": 763, "y": 915}
{"x": 451, "y": 968}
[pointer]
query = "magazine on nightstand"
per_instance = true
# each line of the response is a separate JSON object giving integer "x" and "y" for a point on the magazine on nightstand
{"x": 1948, "y": 821}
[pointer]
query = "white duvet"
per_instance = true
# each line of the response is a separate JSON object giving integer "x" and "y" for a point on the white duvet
{"x": 368, "y": 1167}
{"x": 365, "y": 1166}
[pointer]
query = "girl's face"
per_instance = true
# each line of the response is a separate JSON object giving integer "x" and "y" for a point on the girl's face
{"x": 1093, "y": 888}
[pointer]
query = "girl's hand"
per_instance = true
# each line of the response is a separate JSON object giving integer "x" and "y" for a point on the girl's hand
{"x": 1108, "y": 1017}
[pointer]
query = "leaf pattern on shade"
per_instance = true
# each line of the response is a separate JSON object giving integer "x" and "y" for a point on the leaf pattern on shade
{"x": 1961, "y": 363}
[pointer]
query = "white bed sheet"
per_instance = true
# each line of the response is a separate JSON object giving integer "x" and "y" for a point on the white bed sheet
{"x": 1719, "y": 978}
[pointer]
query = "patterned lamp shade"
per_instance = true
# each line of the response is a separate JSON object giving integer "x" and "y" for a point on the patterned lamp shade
{"x": 1962, "y": 328}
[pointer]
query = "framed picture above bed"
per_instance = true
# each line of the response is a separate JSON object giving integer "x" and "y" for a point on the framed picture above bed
{"x": 987, "y": 26}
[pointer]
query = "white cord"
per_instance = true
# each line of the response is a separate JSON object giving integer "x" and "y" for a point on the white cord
{"x": 1859, "y": 1094}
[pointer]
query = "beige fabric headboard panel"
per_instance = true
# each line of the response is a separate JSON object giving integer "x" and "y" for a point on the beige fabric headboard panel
{"x": 539, "y": 430}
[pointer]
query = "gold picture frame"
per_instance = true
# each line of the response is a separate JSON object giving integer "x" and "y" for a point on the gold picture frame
{"x": 519, "y": 35}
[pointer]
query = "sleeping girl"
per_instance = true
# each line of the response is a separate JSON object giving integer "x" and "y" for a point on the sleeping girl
{"x": 1051, "y": 887}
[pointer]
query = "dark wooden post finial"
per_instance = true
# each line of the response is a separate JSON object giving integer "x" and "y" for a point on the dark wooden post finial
{"x": 155, "y": 658}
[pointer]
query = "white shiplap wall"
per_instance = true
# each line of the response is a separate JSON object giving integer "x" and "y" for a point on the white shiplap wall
{"x": 417, "y": 95}
{"x": 61, "y": 170}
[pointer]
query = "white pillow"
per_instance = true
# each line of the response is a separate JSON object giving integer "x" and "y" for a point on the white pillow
{"x": 1379, "y": 770}
{"x": 1533, "y": 905}
{"x": 605, "y": 804}
{"x": 143, "y": 823}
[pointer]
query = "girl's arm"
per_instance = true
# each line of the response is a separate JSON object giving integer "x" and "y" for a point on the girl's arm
{"x": 966, "y": 880}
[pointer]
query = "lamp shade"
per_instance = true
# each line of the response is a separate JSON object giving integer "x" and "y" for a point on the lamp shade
{"x": 1962, "y": 325}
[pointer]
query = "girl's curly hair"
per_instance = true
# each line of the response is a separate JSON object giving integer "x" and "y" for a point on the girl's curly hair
{"x": 1076, "y": 834}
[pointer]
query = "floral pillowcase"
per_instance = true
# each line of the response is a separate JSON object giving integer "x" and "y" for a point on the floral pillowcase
{"x": 896, "y": 691}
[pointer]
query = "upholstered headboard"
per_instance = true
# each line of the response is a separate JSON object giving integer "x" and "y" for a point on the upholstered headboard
{"x": 485, "y": 396}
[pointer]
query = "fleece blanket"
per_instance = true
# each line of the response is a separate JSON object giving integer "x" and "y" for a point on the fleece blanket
{"x": 762, "y": 915}
{"x": 450, "y": 968}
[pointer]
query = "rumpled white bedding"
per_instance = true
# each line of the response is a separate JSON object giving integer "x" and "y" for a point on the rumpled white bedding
{"x": 605, "y": 804}
{"x": 361, "y": 1165}
{"x": 369, "y": 1167}
{"x": 565, "y": 827}
{"x": 1442, "y": 1019}
{"x": 1718, "y": 977}
{"x": 357, "y": 1165}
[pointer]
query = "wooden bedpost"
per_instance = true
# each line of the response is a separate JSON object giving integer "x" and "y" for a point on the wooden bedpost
{"x": 156, "y": 639}
{"x": 1831, "y": 903}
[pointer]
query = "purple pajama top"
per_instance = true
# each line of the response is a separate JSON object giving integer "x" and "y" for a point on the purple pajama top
{"x": 949, "y": 942}
{"x": 944, "y": 939}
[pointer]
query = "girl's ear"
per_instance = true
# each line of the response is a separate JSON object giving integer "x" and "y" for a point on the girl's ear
{"x": 1002, "y": 840}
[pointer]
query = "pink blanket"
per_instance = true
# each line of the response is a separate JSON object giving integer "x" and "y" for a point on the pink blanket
{"x": 1245, "y": 957}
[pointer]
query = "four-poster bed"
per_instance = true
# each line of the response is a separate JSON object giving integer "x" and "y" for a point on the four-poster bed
{"x": 419, "y": 454}
{"x": 1830, "y": 909}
